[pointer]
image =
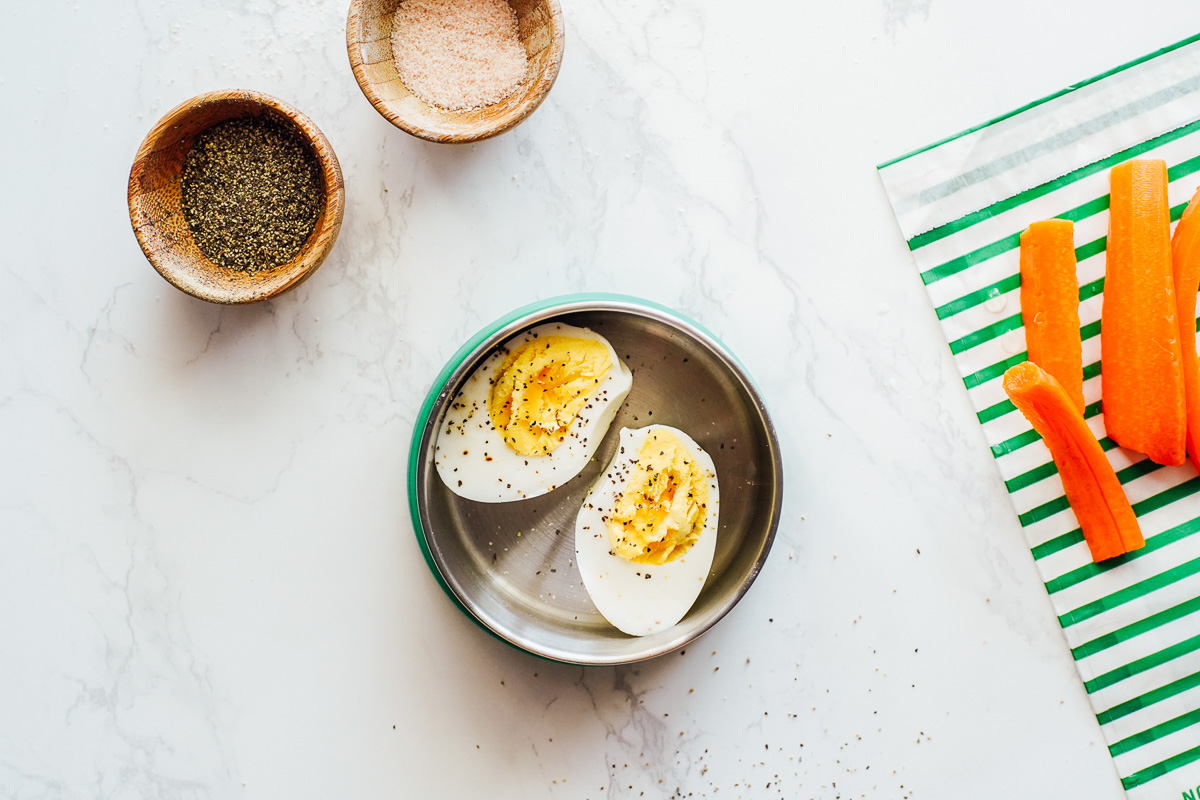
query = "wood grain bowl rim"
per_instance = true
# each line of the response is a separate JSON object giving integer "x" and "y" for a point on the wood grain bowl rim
{"x": 235, "y": 287}
{"x": 356, "y": 40}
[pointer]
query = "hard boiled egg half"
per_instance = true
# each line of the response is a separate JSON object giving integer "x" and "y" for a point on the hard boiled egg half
{"x": 647, "y": 531}
{"x": 531, "y": 416}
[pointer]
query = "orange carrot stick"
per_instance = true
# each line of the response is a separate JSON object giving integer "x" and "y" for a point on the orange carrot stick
{"x": 1050, "y": 303}
{"x": 1185, "y": 251}
{"x": 1141, "y": 377}
{"x": 1109, "y": 525}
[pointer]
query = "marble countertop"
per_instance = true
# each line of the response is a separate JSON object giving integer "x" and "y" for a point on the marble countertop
{"x": 209, "y": 584}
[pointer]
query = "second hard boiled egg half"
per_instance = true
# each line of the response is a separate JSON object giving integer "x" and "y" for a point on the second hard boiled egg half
{"x": 647, "y": 531}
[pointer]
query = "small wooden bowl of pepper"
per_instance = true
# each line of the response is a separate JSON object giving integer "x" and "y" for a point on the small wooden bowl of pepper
{"x": 235, "y": 196}
{"x": 370, "y": 44}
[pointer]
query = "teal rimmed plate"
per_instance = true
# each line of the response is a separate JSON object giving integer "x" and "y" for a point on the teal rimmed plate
{"x": 511, "y": 566}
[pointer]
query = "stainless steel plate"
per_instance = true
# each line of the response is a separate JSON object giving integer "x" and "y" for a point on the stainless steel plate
{"x": 511, "y": 566}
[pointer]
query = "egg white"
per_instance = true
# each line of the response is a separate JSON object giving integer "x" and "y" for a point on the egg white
{"x": 640, "y": 599}
{"x": 472, "y": 457}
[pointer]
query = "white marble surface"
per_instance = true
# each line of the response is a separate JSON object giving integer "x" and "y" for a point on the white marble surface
{"x": 209, "y": 586}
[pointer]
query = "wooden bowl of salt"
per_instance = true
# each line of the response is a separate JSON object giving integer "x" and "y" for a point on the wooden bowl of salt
{"x": 455, "y": 71}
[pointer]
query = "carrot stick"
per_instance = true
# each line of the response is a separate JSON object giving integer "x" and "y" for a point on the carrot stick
{"x": 1109, "y": 525}
{"x": 1050, "y": 303}
{"x": 1141, "y": 377}
{"x": 1185, "y": 251}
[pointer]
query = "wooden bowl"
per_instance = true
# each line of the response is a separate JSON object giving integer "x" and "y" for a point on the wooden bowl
{"x": 157, "y": 218}
{"x": 369, "y": 43}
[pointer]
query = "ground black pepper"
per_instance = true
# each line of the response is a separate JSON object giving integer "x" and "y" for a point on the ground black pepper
{"x": 251, "y": 192}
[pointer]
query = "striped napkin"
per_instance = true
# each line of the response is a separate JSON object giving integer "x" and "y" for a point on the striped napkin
{"x": 1132, "y": 623}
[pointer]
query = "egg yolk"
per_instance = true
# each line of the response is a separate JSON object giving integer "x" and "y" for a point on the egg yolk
{"x": 540, "y": 388}
{"x": 662, "y": 509}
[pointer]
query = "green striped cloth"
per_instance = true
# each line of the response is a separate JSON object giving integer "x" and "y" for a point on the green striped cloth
{"x": 1133, "y": 623}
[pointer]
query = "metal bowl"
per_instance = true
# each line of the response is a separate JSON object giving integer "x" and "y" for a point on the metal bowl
{"x": 511, "y": 566}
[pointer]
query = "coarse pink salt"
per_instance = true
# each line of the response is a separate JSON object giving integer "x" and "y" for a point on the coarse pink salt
{"x": 458, "y": 54}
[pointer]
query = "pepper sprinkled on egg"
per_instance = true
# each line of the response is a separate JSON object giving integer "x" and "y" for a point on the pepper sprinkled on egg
{"x": 530, "y": 417}
{"x": 646, "y": 532}
{"x": 541, "y": 388}
{"x": 662, "y": 509}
